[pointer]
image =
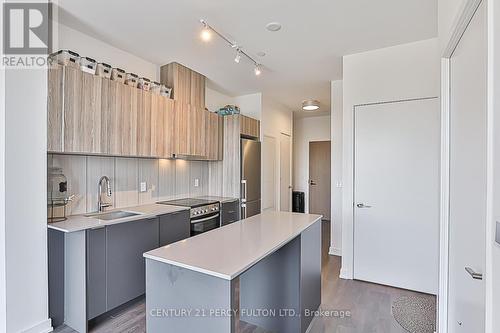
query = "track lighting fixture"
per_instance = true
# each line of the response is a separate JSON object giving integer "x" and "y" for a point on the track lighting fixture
{"x": 257, "y": 69}
{"x": 206, "y": 35}
{"x": 238, "y": 56}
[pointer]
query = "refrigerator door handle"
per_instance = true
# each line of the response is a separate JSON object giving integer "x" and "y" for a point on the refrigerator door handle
{"x": 244, "y": 190}
{"x": 244, "y": 210}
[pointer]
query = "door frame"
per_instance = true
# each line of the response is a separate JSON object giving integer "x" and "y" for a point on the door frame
{"x": 465, "y": 15}
{"x": 309, "y": 175}
{"x": 279, "y": 170}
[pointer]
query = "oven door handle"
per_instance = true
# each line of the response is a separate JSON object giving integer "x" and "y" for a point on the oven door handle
{"x": 205, "y": 219}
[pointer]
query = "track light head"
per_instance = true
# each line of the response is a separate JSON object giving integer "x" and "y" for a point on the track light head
{"x": 238, "y": 56}
{"x": 257, "y": 70}
{"x": 206, "y": 32}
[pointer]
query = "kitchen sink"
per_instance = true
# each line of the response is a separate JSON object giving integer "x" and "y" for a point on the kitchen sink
{"x": 119, "y": 214}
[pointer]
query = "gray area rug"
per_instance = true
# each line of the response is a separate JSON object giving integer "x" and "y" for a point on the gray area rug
{"x": 416, "y": 314}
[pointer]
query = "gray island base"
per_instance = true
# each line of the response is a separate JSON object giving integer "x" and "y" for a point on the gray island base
{"x": 264, "y": 271}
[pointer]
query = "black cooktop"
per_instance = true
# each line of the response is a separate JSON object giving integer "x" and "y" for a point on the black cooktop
{"x": 188, "y": 202}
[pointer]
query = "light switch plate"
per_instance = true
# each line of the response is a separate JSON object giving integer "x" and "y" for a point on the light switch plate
{"x": 196, "y": 182}
{"x": 144, "y": 187}
{"x": 497, "y": 234}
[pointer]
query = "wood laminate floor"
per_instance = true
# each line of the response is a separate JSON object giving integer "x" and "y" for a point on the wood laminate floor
{"x": 368, "y": 306}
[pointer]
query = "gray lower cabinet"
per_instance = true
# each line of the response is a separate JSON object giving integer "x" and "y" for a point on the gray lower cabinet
{"x": 174, "y": 227}
{"x": 230, "y": 212}
{"x": 96, "y": 272}
{"x": 125, "y": 245}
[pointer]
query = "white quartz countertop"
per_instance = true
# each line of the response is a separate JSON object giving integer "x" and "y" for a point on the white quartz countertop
{"x": 216, "y": 198}
{"x": 228, "y": 251}
{"x": 81, "y": 222}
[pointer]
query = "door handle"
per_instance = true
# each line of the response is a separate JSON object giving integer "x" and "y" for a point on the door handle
{"x": 312, "y": 182}
{"x": 362, "y": 205}
{"x": 475, "y": 275}
{"x": 244, "y": 190}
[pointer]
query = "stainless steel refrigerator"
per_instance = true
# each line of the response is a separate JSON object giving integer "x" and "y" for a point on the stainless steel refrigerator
{"x": 250, "y": 178}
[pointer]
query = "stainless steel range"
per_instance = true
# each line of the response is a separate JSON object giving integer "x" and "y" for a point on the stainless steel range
{"x": 204, "y": 215}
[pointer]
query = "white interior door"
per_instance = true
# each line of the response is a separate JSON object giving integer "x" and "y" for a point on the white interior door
{"x": 396, "y": 186}
{"x": 285, "y": 173}
{"x": 468, "y": 136}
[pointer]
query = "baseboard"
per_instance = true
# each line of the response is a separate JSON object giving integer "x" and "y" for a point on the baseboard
{"x": 43, "y": 327}
{"x": 335, "y": 251}
{"x": 345, "y": 274}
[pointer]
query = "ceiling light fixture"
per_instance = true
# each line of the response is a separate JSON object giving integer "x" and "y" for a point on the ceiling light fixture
{"x": 238, "y": 56}
{"x": 257, "y": 70}
{"x": 273, "y": 26}
{"x": 310, "y": 105}
{"x": 206, "y": 35}
{"x": 206, "y": 32}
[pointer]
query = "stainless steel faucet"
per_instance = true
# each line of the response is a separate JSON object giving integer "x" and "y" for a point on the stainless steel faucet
{"x": 100, "y": 203}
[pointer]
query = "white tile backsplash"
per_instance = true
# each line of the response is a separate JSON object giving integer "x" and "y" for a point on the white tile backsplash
{"x": 126, "y": 185}
{"x": 148, "y": 173}
{"x": 166, "y": 184}
{"x": 165, "y": 179}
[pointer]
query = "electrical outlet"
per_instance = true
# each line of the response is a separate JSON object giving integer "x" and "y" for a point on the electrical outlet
{"x": 144, "y": 187}
{"x": 196, "y": 182}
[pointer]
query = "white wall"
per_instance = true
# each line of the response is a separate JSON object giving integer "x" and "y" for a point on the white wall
{"x": 276, "y": 119}
{"x": 493, "y": 287}
{"x": 337, "y": 150}
{"x": 447, "y": 15}
{"x": 88, "y": 46}
{"x": 250, "y": 105}
{"x": 400, "y": 72}
{"x": 306, "y": 130}
{"x": 25, "y": 204}
{"x": 3, "y": 310}
{"x": 214, "y": 100}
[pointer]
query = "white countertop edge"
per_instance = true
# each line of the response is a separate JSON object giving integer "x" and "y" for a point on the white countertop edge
{"x": 94, "y": 223}
{"x": 239, "y": 272}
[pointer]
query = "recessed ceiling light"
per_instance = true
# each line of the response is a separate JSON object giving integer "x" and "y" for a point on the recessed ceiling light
{"x": 261, "y": 54}
{"x": 273, "y": 26}
{"x": 310, "y": 105}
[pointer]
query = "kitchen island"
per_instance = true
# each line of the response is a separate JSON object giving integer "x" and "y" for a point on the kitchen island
{"x": 264, "y": 271}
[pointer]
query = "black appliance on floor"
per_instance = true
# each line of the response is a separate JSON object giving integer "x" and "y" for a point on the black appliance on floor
{"x": 298, "y": 202}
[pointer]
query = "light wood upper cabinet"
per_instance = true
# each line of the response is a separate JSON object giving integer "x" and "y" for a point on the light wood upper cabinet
{"x": 188, "y": 86}
{"x": 249, "y": 127}
{"x": 189, "y": 130}
{"x": 196, "y": 131}
{"x": 162, "y": 126}
{"x": 197, "y": 89}
{"x": 181, "y": 131}
{"x": 88, "y": 114}
{"x": 112, "y": 117}
{"x": 54, "y": 107}
{"x": 82, "y": 112}
{"x": 213, "y": 134}
{"x": 144, "y": 127}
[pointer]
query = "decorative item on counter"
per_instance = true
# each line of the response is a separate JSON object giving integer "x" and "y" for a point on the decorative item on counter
{"x": 88, "y": 65}
{"x": 144, "y": 84}
{"x": 65, "y": 58}
{"x": 155, "y": 87}
{"x": 131, "y": 79}
{"x": 118, "y": 74}
{"x": 103, "y": 70}
{"x": 229, "y": 110}
{"x": 165, "y": 91}
{"x": 57, "y": 195}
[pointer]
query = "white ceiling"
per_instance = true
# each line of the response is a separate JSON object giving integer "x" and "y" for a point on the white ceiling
{"x": 301, "y": 59}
